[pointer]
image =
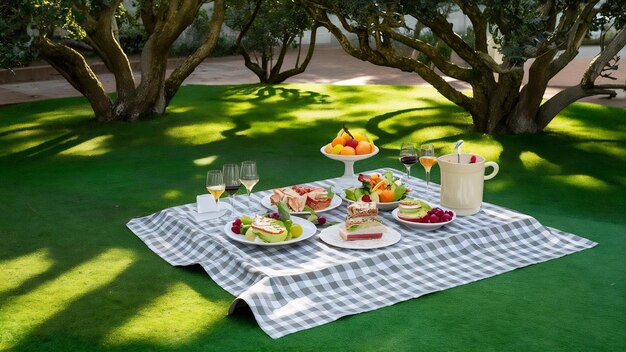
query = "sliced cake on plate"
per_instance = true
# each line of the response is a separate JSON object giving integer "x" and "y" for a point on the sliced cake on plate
{"x": 362, "y": 223}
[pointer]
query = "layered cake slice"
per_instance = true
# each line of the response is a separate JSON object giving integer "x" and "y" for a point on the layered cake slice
{"x": 362, "y": 223}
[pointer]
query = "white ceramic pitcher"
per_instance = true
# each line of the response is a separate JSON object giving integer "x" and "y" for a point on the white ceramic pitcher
{"x": 462, "y": 183}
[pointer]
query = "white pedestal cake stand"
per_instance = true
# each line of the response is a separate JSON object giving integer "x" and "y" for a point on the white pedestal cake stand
{"x": 349, "y": 179}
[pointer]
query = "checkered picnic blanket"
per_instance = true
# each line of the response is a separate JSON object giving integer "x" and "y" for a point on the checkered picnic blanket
{"x": 309, "y": 283}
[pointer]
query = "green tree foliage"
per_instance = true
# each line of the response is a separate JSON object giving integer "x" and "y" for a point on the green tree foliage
{"x": 23, "y": 21}
{"x": 268, "y": 28}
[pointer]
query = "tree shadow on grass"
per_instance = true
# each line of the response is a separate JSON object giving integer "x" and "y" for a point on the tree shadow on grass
{"x": 403, "y": 128}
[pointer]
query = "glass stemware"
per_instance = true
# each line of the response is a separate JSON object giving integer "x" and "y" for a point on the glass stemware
{"x": 231, "y": 180}
{"x": 249, "y": 177}
{"x": 427, "y": 159}
{"x": 215, "y": 184}
{"x": 408, "y": 157}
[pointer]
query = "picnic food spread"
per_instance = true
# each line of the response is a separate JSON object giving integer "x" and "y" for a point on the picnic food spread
{"x": 362, "y": 223}
{"x": 269, "y": 279}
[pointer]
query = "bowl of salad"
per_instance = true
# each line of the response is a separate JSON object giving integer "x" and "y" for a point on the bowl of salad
{"x": 383, "y": 189}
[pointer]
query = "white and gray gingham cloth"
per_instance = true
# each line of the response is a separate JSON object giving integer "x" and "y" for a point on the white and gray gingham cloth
{"x": 300, "y": 286}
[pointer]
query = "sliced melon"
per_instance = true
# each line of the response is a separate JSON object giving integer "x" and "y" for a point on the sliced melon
{"x": 250, "y": 234}
{"x": 270, "y": 237}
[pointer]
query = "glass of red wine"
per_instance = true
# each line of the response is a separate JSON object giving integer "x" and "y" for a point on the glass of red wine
{"x": 408, "y": 157}
{"x": 231, "y": 180}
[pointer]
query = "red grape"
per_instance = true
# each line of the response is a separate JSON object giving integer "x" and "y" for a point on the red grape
{"x": 236, "y": 229}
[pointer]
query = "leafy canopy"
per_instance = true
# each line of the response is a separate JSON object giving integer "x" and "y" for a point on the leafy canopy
{"x": 275, "y": 21}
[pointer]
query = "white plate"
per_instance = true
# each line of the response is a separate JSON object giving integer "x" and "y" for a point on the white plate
{"x": 381, "y": 206}
{"x": 423, "y": 226}
{"x": 308, "y": 230}
{"x": 331, "y": 236}
{"x": 349, "y": 157}
{"x": 334, "y": 203}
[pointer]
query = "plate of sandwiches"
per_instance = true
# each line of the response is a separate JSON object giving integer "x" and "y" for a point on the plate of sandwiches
{"x": 363, "y": 229}
{"x": 421, "y": 215}
{"x": 298, "y": 197}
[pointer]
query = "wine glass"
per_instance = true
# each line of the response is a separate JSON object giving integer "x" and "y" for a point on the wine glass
{"x": 215, "y": 184}
{"x": 427, "y": 159}
{"x": 231, "y": 180}
{"x": 408, "y": 157}
{"x": 249, "y": 177}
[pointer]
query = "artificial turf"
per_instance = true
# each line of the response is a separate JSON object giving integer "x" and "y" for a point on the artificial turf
{"x": 73, "y": 277}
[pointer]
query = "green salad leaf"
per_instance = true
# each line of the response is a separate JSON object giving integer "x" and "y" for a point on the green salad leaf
{"x": 350, "y": 193}
{"x": 313, "y": 217}
{"x": 388, "y": 175}
{"x": 399, "y": 192}
{"x": 330, "y": 192}
{"x": 283, "y": 212}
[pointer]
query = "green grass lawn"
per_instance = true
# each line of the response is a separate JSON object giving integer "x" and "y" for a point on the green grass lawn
{"x": 73, "y": 277}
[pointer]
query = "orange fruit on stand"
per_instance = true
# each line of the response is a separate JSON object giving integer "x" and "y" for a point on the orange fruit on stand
{"x": 338, "y": 140}
{"x": 386, "y": 196}
{"x": 329, "y": 148}
{"x": 363, "y": 148}
{"x": 348, "y": 151}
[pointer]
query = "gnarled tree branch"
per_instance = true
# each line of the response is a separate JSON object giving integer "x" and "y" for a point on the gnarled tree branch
{"x": 181, "y": 72}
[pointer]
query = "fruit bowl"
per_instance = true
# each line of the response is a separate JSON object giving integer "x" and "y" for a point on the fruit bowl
{"x": 349, "y": 157}
{"x": 348, "y": 179}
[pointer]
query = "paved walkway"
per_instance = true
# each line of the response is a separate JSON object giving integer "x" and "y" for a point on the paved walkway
{"x": 330, "y": 65}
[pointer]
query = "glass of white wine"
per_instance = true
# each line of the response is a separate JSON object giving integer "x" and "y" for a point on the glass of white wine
{"x": 249, "y": 177}
{"x": 215, "y": 184}
{"x": 427, "y": 159}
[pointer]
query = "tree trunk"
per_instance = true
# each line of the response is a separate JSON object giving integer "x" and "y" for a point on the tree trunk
{"x": 76, "y": 71}
{"x": 278, "y": 77}
{"x": 519, "y": 120}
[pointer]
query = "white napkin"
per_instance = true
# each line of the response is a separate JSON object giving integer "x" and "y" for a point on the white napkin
{"x": 207, "y": 208}
{"x": 206, "y": 203}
